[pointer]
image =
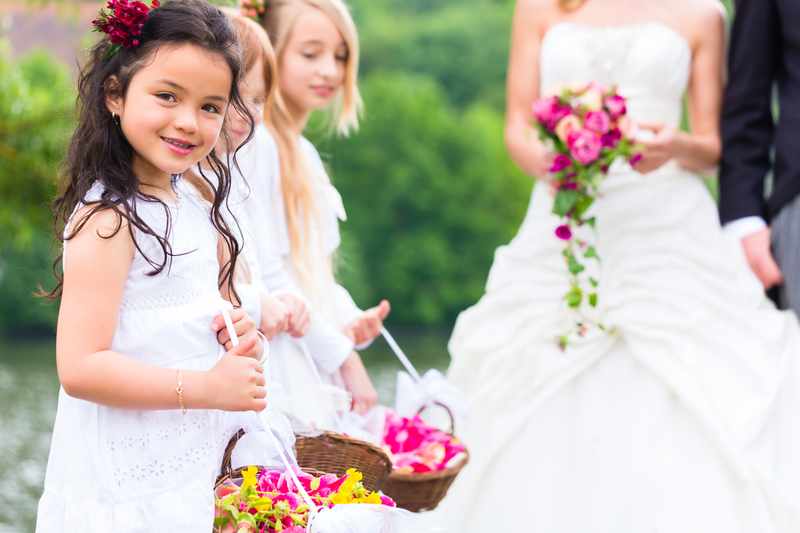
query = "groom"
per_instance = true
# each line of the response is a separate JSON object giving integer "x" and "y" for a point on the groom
{"x": 764, "y": 53}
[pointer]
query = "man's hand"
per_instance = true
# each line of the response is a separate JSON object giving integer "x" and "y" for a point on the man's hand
{"x": 759, "y": 257}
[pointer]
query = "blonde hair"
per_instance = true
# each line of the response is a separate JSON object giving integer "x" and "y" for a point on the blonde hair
{"x": 570, "y": 5}
{"x": 297, "y": 185}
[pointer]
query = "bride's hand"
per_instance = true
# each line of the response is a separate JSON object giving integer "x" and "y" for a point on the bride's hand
{"x": 545, "y": 161}
{"x": 659, "y": 149}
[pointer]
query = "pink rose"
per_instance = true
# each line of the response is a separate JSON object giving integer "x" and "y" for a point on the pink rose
{"x": 566, "y": 126}
{"x": 584, "y": 146}
{"x": 561, "y": 162}
{"x": 597, "y": 121}
{"x": 616, "y": 106}
{"x": 544, "y": 108}
{"x": 548, "y": 112}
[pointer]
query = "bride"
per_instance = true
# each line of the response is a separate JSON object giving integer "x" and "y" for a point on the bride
{"x": 687, "y": 419}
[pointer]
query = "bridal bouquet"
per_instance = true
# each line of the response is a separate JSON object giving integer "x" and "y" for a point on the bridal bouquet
{"x": 415, "y": 446}
{"x": 270, "y": 502}
{"x": 588, "y": 128}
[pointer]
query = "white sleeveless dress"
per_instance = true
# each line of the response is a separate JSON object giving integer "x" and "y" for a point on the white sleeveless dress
{"x": 689, "y": 419}
{"x": 113, "y": 470}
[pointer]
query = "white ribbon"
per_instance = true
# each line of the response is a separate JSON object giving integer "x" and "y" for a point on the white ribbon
{"x": 261, "y": 416}
{"x": 415, "y": 392}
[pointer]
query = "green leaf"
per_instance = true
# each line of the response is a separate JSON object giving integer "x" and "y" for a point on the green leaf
{"x": 593, "y": 299}
{"x": 589, "y": 221}
{"x": 594, "y": 282}
{"x": 591, "y": 252}
{"x": 574, "y": 298}
{"x": 565, "y": 199}
{"x": 574, "y": 266}
{"x": 113, "y": 49}
{"x": 582, "y": 204}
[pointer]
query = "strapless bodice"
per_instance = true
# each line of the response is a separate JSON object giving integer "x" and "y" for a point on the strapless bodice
{"x": 648, "y": 62}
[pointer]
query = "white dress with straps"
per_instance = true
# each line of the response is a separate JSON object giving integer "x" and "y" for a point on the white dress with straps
{"x": 688, "y": 420}
{"x": 115, "y": 470}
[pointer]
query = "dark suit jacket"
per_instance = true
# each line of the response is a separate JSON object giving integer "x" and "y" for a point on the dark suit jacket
{"x": 764, "y": 52}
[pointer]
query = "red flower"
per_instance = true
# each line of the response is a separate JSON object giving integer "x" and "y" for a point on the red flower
{"x": 122, "y": 21}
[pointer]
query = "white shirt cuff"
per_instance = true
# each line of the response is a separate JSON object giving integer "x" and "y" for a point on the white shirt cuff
{"x": 743, "y": 227}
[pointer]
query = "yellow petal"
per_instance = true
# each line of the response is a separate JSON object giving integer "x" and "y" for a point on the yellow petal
{"x": 372, "y": 498}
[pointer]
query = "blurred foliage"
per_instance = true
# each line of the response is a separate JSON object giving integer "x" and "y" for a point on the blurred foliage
{"x": 429, "y": 192}
{"x": 35, "y": 120}
{"x": 35, "y": 97}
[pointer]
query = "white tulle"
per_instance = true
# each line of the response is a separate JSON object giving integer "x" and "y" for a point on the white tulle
{"x": 368, "y": 518}
{"x": 686, "y": 420}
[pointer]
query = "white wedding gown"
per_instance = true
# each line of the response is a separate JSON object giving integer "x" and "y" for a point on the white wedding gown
{"x": 688, "y": 420}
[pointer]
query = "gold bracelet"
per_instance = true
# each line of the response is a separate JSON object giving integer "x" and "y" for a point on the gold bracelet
{"x": 179, "y": 390}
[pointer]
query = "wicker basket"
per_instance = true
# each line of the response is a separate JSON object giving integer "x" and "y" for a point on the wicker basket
{"x": 334, "y": 453}
{"x": 227, "y": 473}
{"x": 423, "y": 491}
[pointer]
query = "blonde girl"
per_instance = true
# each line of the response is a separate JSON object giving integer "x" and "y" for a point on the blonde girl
{"x": 316, "y": 45}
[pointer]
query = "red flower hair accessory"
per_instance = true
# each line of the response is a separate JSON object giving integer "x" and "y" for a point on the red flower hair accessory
{"x": 253, "y": 8}
{"x": 122, "y": 21}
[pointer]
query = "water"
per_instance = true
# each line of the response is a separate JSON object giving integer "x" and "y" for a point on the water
{"x": 29, "y": 395}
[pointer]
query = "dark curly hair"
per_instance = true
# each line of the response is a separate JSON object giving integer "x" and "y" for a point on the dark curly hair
{"x": 99, "y": 152}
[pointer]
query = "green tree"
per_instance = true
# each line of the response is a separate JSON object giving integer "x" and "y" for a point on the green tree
{"x": 463, "y": 46}
{"x": 35, "y": 97}
{"x": 430, "y": 193}
{"x": 35, "y": 120}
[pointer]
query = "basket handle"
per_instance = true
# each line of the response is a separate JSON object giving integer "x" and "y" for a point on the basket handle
{"x": 227, "y": 466}
{"x": 449, "y": 412}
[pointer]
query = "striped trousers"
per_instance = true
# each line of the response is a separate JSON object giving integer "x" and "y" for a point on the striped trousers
{"x": 786, "y": 248}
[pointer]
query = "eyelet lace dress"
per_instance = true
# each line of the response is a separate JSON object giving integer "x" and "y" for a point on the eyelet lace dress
{"x": 114, "y": 470}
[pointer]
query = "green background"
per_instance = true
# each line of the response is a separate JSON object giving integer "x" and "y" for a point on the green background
{"x": 428, "y": 187}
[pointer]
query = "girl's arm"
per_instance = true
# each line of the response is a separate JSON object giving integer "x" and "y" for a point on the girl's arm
{"x": 95, "y": 271}
{"x": 700, "y": 150}
{"x": 522, "y": 87}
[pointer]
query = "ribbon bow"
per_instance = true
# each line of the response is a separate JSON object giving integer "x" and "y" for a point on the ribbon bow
{"x": 415, "y": 392}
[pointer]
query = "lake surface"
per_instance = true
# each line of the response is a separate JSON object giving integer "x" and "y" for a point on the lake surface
{"x": 29, "y": 394}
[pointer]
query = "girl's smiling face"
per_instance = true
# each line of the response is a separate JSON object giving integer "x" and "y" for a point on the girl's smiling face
{"x": 254, "y": 93}
{"x": 173, "y": 111}
{"x": 312, "y": 64}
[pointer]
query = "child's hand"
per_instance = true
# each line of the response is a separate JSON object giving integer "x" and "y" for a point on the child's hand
{"x": 244, "y": 327}
{"x": 236, "y": 383}
{"x": 368, "y": 325}
{"x": 274, "y": 316}
{"x": 357, "y": 381}
{"x": 299, "y": 317}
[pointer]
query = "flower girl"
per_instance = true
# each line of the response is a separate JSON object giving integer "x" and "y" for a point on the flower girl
{"x": 141, "y": 427}
{"x": 317, "y": 50}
